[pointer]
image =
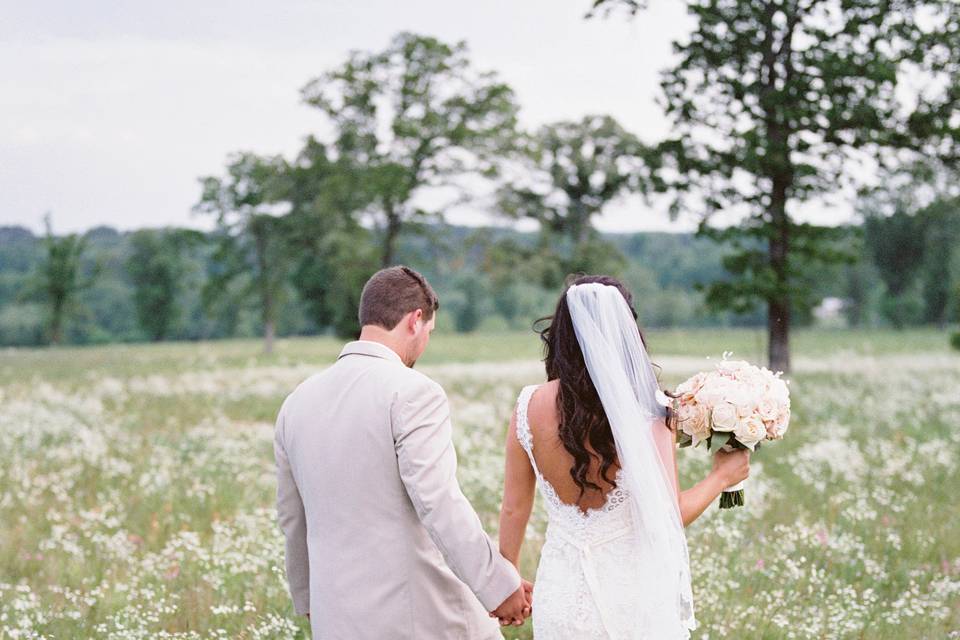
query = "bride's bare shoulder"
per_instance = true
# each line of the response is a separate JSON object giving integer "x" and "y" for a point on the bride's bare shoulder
{"x": 543, "y": 403}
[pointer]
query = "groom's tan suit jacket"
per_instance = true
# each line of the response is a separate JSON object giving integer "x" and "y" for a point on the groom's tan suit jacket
{"x": 381, "y": 544}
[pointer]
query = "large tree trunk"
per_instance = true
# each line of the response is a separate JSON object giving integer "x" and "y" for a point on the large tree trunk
{"x": 781, "y": 171}
{"x": 56, "y": 323}
{"x": 778, "y": 331}
{"x": 265, "y": 283}
{"x": 579, "y": 225}
{"x": 778, "y": 303}
{"x": 391, "y": 233}
{"x": 56, "y": 331}
{"x": 269, "y": 334}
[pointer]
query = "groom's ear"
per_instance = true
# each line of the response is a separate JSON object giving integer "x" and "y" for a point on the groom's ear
{"x": 412, "y": 318}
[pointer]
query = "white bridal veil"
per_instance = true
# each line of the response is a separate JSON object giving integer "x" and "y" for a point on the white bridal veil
{"x": 627, "y": 385}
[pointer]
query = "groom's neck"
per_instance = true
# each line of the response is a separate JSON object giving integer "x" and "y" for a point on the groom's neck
{"x": 373, "y": 333}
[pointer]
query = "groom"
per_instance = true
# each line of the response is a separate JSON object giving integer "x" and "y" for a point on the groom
{"x": 380, "y": 541}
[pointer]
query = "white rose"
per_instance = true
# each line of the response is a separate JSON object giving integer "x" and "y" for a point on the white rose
{"x": 714, "y": 391}
{"x": 745, "y": 398}
{"x": 771, "y": 429}
{"x": 759, "y": 381}
{"x": 724, "y": 417}
{"x": 779, "y": 391}
{"x": 750, "y": 431}
{"x": 732, "y": 367}
{"x": 689, "y": 388}
{"x": 768, "y": 408}
{"x": 694, "y": 421}
{"x": 782, "y": 422}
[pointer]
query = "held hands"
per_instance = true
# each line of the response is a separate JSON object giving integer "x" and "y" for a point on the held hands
{"x": 517, "y": 608}
{"x": 731, "y": 466}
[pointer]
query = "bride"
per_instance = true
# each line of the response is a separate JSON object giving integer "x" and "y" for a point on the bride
{"x": 599, "y": 443}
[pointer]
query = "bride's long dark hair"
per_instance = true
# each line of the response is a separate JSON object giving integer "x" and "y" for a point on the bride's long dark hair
{"x": 582, "y": 418}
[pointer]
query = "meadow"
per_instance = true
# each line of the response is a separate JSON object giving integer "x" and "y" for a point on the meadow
{"x": 136, "y": 492}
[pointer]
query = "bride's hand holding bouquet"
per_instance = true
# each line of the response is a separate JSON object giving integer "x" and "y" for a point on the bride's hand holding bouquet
{"x": 736, "y": 406}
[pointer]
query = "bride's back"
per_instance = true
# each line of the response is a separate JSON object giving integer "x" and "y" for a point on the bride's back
{"x": 572, "y": 443}
{"x": 554, "y": 461}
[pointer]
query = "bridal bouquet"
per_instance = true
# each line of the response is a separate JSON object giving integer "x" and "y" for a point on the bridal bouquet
{"x": 737, "y": 406}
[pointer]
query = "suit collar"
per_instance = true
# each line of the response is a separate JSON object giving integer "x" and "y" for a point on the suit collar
{"x": 370, "y": 348}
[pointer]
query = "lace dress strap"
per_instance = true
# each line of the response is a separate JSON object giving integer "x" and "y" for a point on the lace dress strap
{"x": 523, "y": 425}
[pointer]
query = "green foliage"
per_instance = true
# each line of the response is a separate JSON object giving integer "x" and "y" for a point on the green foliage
{"x": 156, "y": 268}
{"x": 329, "y": 265}
{"x": 915, "y": 243}
{"x": 252, "y": 239}
{"x": 658, "y": 306}
{"x": 955, "y": 340}
{"x": 334, "y": 254}
{"x": 522, "y": 303}
{"x": 331, "y": 278}
{"x": 21, "y": 325}
{"x": 755, "y": 279}
{"x": 570, "y": 172}
{"x": 940, "y": 271}
{"x": 861, "y": 288}
{"x": 902, "y": 310}
{"x": 895, "y": 242}
{"x": 58, "y": 279}
{"x": 413, "y": 116}
{"x": 19, "y": 250}
{"x": 467, "y": 304}
{"x": 508, "y": 260}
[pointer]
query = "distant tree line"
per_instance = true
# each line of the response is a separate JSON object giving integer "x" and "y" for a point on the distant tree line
{"x": 174, "y": 284}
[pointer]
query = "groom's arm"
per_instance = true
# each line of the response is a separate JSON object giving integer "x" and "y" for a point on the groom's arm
{"x": 293, "y": 522}
{"x": 428, "y": 467}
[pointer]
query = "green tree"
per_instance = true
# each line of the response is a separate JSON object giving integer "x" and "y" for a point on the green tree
{"x": 896, "y": 243}
{"x": 941, "y": 220}
{"x": 571, "y": 172}
{"x": 912, "y": 229}
{"x": 156, "y": 268}
{"x": 468, "y": 303}
{"x": 770, "y": 100}
{"x": 861, "y": 283}
{"x": 413, "y": 117}
{"x": 58, "y": 279}
{"x": 333, "y": 254}
{"x": 251, "y": 236}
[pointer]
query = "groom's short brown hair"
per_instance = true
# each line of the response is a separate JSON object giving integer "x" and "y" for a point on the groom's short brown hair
{"x": 392, "y": 293}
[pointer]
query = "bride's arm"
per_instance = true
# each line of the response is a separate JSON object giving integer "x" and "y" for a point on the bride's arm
{"x": 695, "y": 500}
{"x": 728, "y": 469}
{"x": 519, "y": 485}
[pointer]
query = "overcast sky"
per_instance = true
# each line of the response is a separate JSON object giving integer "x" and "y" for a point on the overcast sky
{"x": 111, "y": 110}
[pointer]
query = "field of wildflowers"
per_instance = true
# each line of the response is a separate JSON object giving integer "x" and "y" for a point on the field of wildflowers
{"x": 136, "y": 493}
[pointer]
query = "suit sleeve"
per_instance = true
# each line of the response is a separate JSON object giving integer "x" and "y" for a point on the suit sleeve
{"x": 293, "y": 523}
{"x": 428, "y": 467}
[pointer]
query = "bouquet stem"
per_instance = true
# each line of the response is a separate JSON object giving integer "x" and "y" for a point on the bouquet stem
{"x": 732, "y": 496}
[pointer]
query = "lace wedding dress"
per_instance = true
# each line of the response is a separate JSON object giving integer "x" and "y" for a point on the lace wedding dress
{"x": 591, "y": 582}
